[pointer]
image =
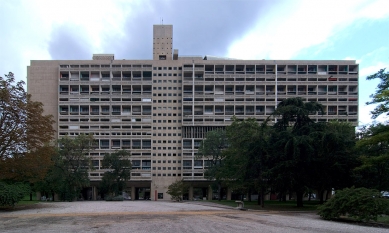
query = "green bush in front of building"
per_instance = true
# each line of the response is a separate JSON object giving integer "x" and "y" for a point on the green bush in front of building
{"x": 360, "y": 204}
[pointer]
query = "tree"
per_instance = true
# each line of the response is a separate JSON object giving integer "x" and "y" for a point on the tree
{"x": 212, "y": 149}
{"x": 373, "y": 150}
{"x": 245, "y": 164}
{"x": 381, "y": 97}
{"x": 177, "y": 189}
{"x": 334, "y": 158}
{"x": 25, "y": 134}
{"x": 119, "y": 165}
{"x": 292, "y": 150}
{"x": 71, "y": 165}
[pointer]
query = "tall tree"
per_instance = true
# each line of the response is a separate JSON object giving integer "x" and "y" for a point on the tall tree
{"x": 245, "y": 165}
{"x": 25, "y": 133}
{"x": 212, "y": 149}
{"x": 71, "y": 165}
{"x": 334, "y": 158}
{"x": 292, "y": 150}
{"x": 381, "y": 97}
{"x": 119, "y": 172}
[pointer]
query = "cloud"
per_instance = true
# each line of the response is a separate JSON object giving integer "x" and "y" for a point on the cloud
{"x": 66, "y": 45}
{"x": 199, "y": 28}
{"x": 296, "y": 25}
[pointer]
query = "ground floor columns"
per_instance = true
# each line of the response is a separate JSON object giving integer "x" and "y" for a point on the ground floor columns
{"x": 94, "y": 193}
{"x": 38, "y": 196}
{"x": 191, "y": 193}
{"x": 133, "y": 193}
{"x": 210, "y": 193}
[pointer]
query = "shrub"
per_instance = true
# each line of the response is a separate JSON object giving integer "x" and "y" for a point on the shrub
{"x": 10, "y": 194}
{"x": 361, "y": 204}
{"x": 116, "y": 198}
{"x": 177, "y": 189}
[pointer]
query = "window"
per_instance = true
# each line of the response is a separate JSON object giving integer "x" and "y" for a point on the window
{"x": 187, "y": 164}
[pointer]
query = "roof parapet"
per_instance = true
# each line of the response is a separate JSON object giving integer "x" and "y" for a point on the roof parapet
{"x": 103, "y": 57}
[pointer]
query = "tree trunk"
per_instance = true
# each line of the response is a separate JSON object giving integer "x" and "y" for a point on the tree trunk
{"x": 299, "y": 197}
{"x": 30, "y": 196}
{"x": 328, "y": 192}
{"x": 262, "y": 197}
{"x": 219, "y": 186}
{"x": 321, "y": 196}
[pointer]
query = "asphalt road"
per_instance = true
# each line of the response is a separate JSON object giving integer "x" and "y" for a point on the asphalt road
{"x": 150, "y": 216}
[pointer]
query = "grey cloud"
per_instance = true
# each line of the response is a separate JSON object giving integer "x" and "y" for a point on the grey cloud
{"x": 199, "y": 27}
{"x": 66, "y": 43}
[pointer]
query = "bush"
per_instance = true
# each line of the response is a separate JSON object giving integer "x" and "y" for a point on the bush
{"x": 177, "y": 189}
{"x": 361, "y": 204}
{"x": 10, "y": 194}
{"x": 116, "y": 198}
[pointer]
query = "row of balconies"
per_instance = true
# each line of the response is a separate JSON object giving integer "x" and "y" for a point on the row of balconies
{"x": 241, "y": 112}
{"x": 189, "y": 94}
{"x": 226, "y": 122}
{"x": 105, "y": 66}
{"x": 105, "y": 89}
{"x": 261, "y": 100}
{"x": 129, "y": 93}
{"x": 272, "y": 69}
{"x": 210, "y": 80}
{"x": 107, "y": 75}
{"x": 121, "y": 144}
{"x": 280, "y": 78}
{"x": 104, "y": 100}
{"x": 106, "y": 132}
{"x": 143, "y": 175}
{"x": 251, "y": 89}
{"x": 116, "y": 113}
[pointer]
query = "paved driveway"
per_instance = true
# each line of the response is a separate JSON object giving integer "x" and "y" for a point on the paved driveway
{"x": 150, "y": 216}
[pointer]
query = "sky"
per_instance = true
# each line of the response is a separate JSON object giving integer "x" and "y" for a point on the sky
{"x": 243, "y": 29}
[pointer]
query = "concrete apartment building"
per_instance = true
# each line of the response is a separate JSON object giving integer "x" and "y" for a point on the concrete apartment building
{"x": 160, "y": 109}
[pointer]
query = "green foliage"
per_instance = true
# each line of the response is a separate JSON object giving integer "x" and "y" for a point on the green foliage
{"x": 292, "y": 151}
{"x": 115, "y": 198}
{"x": 177, "y": 189}
{"x": 212, "y": 146}
{"x": 119, "y": 165}
{"x": 373, "y": 150}
{"x": 361, "y": 204}
{"x": 381, "y": 97}
{"x": 293, "y": 155}
{"x": 212, "y": 149}
{"x": 71, "y": 166}
{"x": 10, "y": 194}
{"x": 245, "y": 164}
{"x": 334, "y": 156}
{"x": 294, "y": 113}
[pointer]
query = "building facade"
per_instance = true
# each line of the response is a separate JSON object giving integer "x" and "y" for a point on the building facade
{"x": 160, "y": 109}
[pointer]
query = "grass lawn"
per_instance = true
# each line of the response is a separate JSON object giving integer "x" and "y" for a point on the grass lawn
{"x": 383, "y": 219}
{"x": 274, "y": 205}
{"x": 26, "y": 202}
